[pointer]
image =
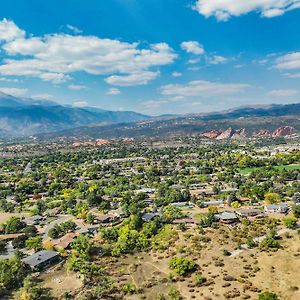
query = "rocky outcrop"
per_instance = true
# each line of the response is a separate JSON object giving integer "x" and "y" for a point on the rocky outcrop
{"x": 263, "y": 133}
{"x": 211, "y": 134}
{"x": 232, "y": 134}
{"x": 239, "y": 134}
{"x": 227, "y": 134}
{"x": 283, "y": 131}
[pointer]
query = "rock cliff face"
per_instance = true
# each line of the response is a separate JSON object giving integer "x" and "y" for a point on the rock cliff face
{"x": 283, "y": 131}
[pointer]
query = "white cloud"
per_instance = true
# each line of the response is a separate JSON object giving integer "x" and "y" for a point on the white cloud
{"x": 80, "y": 103}
{"x": 193, "y": 61}
{"x": 113, "y": 91}
{"x": 54, "y": 57}
{"x": 192, "y": 47}
{"x": 77, "y": 87}
{"x": 13, "y": 91}
{"x": 176, "y": 74}
{"x": 42, "y": 97}
{"x": 292, "y": 75}
{"x": 289, "y": 61}
{"x": 141, "y": 78}
{"x": 202, "y": 88}
{"x": 216, "y": 60}
{"x": 9, "y": 79}
{"x": 74, "y": 28}
{"x": 283, "y": 93}
{"x": 56, "y": 78}
{"x": 10, "y": 31}
{"x": 222, "y": 10}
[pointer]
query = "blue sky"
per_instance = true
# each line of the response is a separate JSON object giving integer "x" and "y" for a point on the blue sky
{"x": 152, "y": 56}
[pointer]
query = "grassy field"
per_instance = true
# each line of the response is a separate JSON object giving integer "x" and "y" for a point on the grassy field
{"x": 246, "y": 171}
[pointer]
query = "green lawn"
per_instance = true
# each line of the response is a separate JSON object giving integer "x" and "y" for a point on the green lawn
{"x": 246, "y": 171}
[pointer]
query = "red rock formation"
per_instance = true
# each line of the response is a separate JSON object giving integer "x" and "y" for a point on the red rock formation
{"x": 239, "y": 134}
{"x": 227, "y": 134}
{"x": 283, "y": 131}
{"x": 263, "y": 133}
{"x": 211, "y": 134}
{"x": 101, "y": 142}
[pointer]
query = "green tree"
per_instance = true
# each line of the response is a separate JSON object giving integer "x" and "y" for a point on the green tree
{"x": 182, "y": 266}
{"x": 32, "y": 291}
{"x": 272, "y": 198}
{"x": 34, "y": 243}
{"x": 13, "y": 225}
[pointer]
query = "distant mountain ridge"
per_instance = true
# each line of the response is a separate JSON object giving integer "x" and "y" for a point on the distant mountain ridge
{"x": 21, "y": 117}
{"x": 236, "y": 123}
{"x": 24, "y": 117}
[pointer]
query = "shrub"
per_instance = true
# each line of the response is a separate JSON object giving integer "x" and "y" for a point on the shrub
{"x": 182, "y": 266}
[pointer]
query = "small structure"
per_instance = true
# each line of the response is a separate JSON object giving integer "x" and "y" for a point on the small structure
{"x": 227, "y": 217}
{"x": 188, "y": 222}
{"x": 182, "y": 204}
{"x": 41, "y": 259}
{"x": 65, "y": 241}
{"x": 211, "y": 203}
{"x": 281, "y": 208}
{"x": 246, "y": 213}
{"x": 146, "y": 217}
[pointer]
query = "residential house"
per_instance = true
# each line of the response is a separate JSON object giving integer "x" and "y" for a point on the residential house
{"x": 41, "y": 259}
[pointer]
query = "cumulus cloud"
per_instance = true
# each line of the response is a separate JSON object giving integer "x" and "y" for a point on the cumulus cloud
{"x": 202, "y": 88}
{"x": 216, "y": 60}
{"x": 113, "y": 92}
{"x": 283, "y": 93}
{"x": 225, "y": 9}
{"x": 55, "y": 57}
{"x": 193, "y": 47}
{"x": 10, "y": 31}
{"x": 288, "y": 61}
{"x": 141, "y": 78}
{"x": 13, "y": 91}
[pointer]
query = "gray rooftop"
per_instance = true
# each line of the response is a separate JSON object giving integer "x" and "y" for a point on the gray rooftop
{"x": 38, "y": 258}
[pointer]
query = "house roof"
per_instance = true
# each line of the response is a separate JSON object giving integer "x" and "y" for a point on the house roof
{"x": 39, "y": 258}
{"x": 148, "y": 216}
{"x": 226, "y": 216}
{"x": 277, "y": 206}
{"x": 66, "y": 240}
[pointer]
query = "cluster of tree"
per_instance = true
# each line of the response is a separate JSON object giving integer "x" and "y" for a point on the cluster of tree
{"x": 59, "y": 230}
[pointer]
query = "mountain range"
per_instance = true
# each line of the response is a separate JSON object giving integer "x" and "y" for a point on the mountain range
{"x": 21, "y": 117}
{"x": 24, "y": 117}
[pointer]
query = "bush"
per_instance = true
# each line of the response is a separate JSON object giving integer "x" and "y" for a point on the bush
{"x": 226, "y": 252}
{"x": 174, "y": 294}
{"x": 267, "y": 296}
{"x": 182, "y": 266}
{"x": 290, "y": 222}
